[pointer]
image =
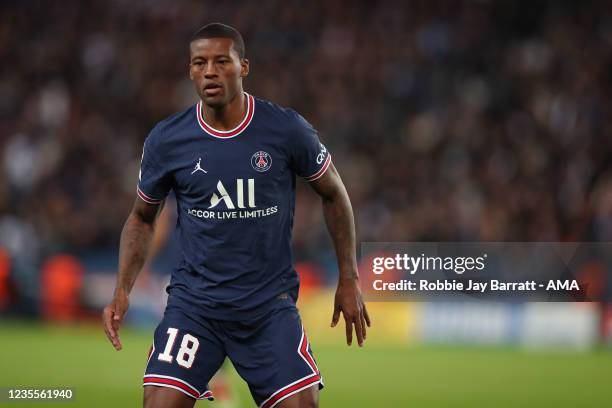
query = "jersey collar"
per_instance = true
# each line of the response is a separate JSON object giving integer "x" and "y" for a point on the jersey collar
{"x": 226, "y": 134}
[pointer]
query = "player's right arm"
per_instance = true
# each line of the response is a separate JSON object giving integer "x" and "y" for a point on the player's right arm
{"x": 154, "y": 183}
{"x": 135, "y": 241}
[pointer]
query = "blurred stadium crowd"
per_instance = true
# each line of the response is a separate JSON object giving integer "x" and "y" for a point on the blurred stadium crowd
{"x": 474, "y": 120}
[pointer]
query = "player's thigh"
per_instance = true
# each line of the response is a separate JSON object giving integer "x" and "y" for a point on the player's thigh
{"x": 274, "y": 358}
{"x": 186, "y": 353}
{"x": 161, "y": 397}
{"x": 307, "y": 398}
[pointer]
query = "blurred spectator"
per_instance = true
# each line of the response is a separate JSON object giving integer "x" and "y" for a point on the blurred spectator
{"x": 62, "y": 279}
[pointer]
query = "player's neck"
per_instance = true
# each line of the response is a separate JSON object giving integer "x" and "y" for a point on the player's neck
{"x": 226, "y": 117}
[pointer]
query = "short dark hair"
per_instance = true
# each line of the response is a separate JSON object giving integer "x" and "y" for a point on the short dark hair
{"x": 220, "y": 30}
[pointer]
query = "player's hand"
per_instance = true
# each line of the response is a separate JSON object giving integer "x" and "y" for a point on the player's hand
{"x": 348, "y": 300}
{"x": 112, "y": 317}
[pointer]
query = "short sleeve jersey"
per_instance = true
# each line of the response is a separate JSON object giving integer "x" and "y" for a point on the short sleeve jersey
{"x": 235, "y": 194}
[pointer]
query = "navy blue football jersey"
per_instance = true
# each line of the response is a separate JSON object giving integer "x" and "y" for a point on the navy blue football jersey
{"x": 235, "y": 194}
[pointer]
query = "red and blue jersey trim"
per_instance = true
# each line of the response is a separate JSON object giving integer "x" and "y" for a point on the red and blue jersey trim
{"x": 146, "y": 198}
{"x": 322, "y": 170}
{"x": 301, "y": 384}
{"x": 177, "y": 384}
{"x": 226, "y": 134}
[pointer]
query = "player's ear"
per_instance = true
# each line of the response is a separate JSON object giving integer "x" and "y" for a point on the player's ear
{"x": 190, "y": 74}
{"x": 244, "y": 70}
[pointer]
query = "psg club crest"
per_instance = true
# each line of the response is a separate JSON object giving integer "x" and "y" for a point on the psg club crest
{"x": 261, "y": 161}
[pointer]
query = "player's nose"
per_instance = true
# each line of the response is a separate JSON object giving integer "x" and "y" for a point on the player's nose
{"x": 210, "y": 71}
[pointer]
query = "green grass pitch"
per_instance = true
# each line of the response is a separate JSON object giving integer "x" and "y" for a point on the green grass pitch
{"x": 376, "y": 376}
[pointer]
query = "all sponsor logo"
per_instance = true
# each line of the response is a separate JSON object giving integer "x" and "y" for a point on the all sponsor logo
{"x": 227, "y": 206}
{"x": 222, "y": 195}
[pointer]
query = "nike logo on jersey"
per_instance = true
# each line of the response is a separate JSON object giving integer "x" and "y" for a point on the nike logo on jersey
{"x": 198, "y": 167}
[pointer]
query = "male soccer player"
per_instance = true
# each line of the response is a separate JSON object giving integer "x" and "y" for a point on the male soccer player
{"x": 232, "y": 160}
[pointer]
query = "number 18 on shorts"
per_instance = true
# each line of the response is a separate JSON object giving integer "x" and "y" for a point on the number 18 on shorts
{"x": 271, "y": 353}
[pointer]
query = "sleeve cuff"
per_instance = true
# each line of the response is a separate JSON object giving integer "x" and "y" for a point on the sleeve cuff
{"x": 321, "y": 171}
{"x": 147, "y": 198}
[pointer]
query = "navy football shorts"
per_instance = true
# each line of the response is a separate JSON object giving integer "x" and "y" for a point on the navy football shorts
{"x": 271, "y": 353}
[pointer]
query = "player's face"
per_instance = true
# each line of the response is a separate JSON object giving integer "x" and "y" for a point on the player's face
{"x": 216, "y": 70}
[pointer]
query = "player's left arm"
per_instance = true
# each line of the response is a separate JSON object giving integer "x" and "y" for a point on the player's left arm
{"x": 341, "y": 225}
